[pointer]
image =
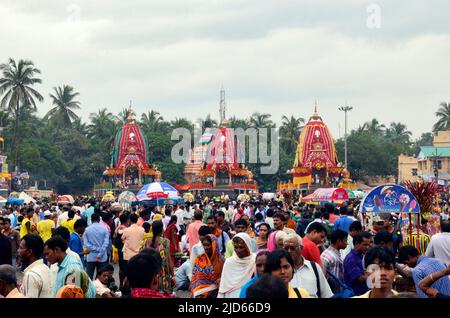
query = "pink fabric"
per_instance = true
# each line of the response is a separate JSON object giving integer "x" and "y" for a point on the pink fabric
{"x": 192, "y": 233}
{"x": 272, "y": 241}
{"x": 106, "y": 226}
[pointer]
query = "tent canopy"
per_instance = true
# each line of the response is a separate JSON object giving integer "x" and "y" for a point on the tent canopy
{"x": 330, "y": 194}
{"x": 26, "y": 198}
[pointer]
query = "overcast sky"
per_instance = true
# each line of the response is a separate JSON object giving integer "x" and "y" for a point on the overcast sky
{"x": 390, "y": 60}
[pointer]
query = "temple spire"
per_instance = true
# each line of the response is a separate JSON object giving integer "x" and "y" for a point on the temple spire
{"x": 315, "y": 116}
{"x": 223, "y": 105}
{"x": 130, "y": 114}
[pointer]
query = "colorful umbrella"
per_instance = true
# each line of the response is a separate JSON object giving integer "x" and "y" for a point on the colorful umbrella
{"x": 157, "y": 190}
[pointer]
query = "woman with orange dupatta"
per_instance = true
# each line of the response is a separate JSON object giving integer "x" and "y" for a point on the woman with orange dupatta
{"x": 207, "y": 270}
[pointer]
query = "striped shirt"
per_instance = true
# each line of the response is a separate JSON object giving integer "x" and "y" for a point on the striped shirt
{"x": 426, "y": 266}
{"x": 332, "y": 261}
{"x": 67, "y": 267}
{"x": 420, "y": 241}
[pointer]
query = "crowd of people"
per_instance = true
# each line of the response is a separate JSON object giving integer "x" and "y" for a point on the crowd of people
{"x": 211, "y": 249}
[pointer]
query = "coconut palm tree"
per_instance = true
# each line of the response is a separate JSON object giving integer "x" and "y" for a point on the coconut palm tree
{"x": 208, "y": 122}
{"x": 151, "y": 121}
{"x": 181, "y": 123}
{"x": 123, "y": 116}
{"x": 258, "y": 120}
{"x": 235, "y": 123}
{"x": 399, "y": 133}
{"x": 443, "y": 115}
{"x": 290, "y": 131}
{"x": 81, "y": 127}
{"x": 62, "y": 115}
{"x": 16, "y": 86}
{"x": 103, "y": 126}
{"x": 374, "y": 127}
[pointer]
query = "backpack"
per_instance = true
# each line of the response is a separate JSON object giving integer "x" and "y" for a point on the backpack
{"x": 346, "y": 292}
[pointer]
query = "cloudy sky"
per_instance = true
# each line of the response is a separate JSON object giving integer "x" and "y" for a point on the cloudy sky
{"x": 387, "y": 59}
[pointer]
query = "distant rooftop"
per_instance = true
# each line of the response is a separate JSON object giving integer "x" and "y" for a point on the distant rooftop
{"x": 430, "y": 151}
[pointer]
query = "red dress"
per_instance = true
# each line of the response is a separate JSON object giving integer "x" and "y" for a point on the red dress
{"x": 172, "y": 236}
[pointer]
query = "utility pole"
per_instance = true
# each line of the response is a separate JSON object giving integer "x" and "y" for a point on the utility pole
{"x": 436, "y": 165}
{"x": 345, "y": 109}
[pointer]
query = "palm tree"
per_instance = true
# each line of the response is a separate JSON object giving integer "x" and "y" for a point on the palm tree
{"x": 81, "y": 127}
{"x": 374, "y": 127}
{"x": 151, "y": 121}
{"x": 399, "y": 133}
{"x": 207, "y": 123}
{"x": 16, "y": 85}
{"x": 62, "y": 114}
{"x": 103, "y": 126}
{"x": 123, "y": 116}
{"x": 258, "y": 120}
{"x": 290, "y": 131}
{"x": 181, "y": 123}
{"x": 443, "y": 115}
{"x": 235, "y": 123}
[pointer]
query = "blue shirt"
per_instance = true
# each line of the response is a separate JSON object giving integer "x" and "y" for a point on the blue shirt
{"x": 87, "y": 214}
{"x": 96, "y": 238}
{"x": 426, "y": 266}
{"x": 353, "y": 269}
{"x": 343, "y": 223}
{"x": 76, "y": 245}
{"x": 247, "y": 285}
{"x": 68, "y": 267}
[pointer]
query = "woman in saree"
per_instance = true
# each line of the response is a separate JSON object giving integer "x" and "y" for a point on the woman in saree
{"x": 261, "y": 240}
{"x": 162, "y": 245}
{"x": 271, "y": 241}
{"x": 207, "y": 270}
{"x": 172, "y": 235}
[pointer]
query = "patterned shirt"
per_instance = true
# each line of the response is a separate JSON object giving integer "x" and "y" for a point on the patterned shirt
{"x": 332, "y": 261}
{"x": 426, "y": 266}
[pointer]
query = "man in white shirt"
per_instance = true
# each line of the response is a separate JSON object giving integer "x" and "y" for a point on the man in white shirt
{"x": 354, "y": 229}
{"x": 307, "y": 275}
{"x": 36, "y": 282}
{"x": 229, "y": 213}
{"x": 63, "y": 217}
{"x": 179, "y": 213}
{"x": 439, "y": 246}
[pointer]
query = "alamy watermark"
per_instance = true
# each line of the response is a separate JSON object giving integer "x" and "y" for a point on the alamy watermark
{"x": 374, "y": 18}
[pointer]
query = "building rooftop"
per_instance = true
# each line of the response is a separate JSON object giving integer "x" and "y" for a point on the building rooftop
{"x": 430, "y": 151}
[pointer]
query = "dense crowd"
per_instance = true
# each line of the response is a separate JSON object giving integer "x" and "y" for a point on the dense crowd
{"x": 213, "y": 249}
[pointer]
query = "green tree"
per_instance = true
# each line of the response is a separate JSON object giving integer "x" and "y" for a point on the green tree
{"x": 399, "y": 133}
{"x": 62, "y": 115}
{"x": 290, "y": 131}
{"x": 103, "y": 125}
{"x": 374, "y": 127}
{"x": 152, "y": 121}
{"x": 443, "y": 115}
{"x": 16, "y": 85}
{"x": 208, "y": 122}
{"x": 235, "y": 123}
{"x": 259, "y": 120}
